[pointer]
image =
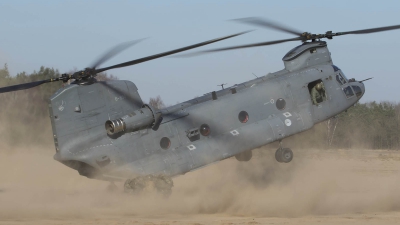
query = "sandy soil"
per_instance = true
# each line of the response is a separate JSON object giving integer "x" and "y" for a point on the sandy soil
{"x": 318, "y": 187}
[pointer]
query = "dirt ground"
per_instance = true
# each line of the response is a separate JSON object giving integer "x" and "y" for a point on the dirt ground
{"x": 317, "y": 187}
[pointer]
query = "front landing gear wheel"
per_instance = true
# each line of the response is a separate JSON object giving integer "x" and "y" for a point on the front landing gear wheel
{"x": 163, "y": 184}
{"x": 284, "y": 155}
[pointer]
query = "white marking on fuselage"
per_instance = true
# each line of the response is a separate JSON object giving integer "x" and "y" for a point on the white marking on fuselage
{"x": 235, "y": 132}
{"x": 61, "y": 107}
{"x": 288, "y": 122}
{"x": 191, "y": 147}
{"x": 287, "y": 114}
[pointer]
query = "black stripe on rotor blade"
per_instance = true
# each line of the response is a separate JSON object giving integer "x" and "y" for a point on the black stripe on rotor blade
{"x": 268, "y": 24}
{"x": 23, "y": 86}
{"x": 114, "y": 51}
{"x": 148, "y": 58}
{"x": 239, "y": 47}
{"x": 372, "y": 30}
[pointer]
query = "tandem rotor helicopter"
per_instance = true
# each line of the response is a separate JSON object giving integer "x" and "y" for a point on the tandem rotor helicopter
{"x": 105, "y": 131}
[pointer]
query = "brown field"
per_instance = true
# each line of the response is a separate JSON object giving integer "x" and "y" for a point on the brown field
{"x": 318, "y": 187}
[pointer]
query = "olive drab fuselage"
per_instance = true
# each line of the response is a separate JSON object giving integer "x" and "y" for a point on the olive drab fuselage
{"x": 200, "y": 131}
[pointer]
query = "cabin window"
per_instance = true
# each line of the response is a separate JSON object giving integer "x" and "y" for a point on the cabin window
{"x": 348, "y": 91}
{"x": 280, "y": 104}
{"x": 317, "y": 91}
{"x": 243, "y": 117}
{"x": 165, "y": 143}
{"x": 205, "y": 130}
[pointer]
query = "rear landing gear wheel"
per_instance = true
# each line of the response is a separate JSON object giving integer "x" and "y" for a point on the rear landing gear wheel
{"x": 284, "y": 155}
{"x": 163, "y": 184}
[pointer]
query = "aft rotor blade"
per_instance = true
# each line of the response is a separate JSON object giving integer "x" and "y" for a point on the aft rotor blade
{"x": 268, "y": 24}
{"x": 240, "y": 46}
{"x": 25, "y": 86}
{"x": 372, "y": 30}
{"x": 148, "y": 58}
{"x": 114, "y": 51}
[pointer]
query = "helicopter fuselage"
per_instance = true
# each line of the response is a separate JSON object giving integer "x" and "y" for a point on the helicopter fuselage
{"x": 200, "y": 131}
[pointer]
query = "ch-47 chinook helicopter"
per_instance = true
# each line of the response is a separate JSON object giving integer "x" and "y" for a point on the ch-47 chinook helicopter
{"x": 104, "y": 131}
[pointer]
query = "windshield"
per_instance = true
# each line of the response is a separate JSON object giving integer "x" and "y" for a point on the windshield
{"x": 348, "y": 91}
{"x": 358, "y": 90}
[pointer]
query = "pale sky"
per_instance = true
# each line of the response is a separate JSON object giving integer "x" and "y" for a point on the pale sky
{"x": 72, "y": 34}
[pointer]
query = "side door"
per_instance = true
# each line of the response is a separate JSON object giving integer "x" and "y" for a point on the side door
{"x": 321, "y": 110}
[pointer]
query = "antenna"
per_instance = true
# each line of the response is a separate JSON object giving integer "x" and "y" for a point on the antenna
{"x": 222, "y": 85}
{"x": 254, "y": 75}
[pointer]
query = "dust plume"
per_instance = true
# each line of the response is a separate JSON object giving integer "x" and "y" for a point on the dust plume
{"x": 34, "y": 186}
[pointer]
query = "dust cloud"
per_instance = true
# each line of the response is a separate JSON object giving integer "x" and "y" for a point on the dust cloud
{"x": 33, "y": 186}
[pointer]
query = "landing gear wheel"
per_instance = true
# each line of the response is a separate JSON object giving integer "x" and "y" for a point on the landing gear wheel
{"x": 135, "y": 185}
{"x": 284, "y": 155}
{"x": 162, "y": 183}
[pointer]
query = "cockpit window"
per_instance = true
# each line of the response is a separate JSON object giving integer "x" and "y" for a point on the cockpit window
{"x": 340, "y": 79}
{"x": 335, "y": 68}
{"x": 341, "y": 73}
{"x": 348, "y": 91}
{"x": 357, "y": 90}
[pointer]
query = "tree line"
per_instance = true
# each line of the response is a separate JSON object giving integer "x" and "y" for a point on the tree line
{"x": 24, "y": 118}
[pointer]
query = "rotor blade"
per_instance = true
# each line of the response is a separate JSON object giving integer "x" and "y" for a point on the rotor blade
{"x": 372, "y": 30}
{"x": 148, "y": 58}
{"x": 25, "y": 86}
{"x": 114, "y": 51}
{"x": 239, "y": 46}
{"x": 266, "y": 23}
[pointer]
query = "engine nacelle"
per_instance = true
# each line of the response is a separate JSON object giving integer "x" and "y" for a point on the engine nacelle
{"x": 139, "y": 119}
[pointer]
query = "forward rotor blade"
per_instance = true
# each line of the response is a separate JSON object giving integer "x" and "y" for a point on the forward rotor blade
{"x": 268, "y": 24}
{"x": 114, "y": 51}
{"x": 148, "y": 58}
{"x": 372, "y": 30}
{"x": 25, "y": 86}
{"x": 240, "y": 46}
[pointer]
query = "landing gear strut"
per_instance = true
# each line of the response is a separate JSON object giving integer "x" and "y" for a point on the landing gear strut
{"x": 283, "y": 155}
{"x": 163, "y": 184}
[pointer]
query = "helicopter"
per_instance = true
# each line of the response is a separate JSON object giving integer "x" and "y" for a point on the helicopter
{"x": 103, "y": 129}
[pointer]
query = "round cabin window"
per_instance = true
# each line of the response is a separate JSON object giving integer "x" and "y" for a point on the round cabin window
{"x": 243, "y": 117}
{"x": 165, "y": 143}
{"x": 205, "y": 130}
{"x": 280, "y": 104}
